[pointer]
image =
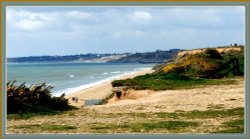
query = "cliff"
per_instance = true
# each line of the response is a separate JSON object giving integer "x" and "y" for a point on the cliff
{"x": 207, "y": 62}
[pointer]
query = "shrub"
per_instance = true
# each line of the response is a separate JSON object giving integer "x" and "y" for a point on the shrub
{"x": 34, "y": 99}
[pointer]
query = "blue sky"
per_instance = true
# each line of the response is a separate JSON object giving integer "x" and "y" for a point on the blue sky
{"x": 36, "y": 31}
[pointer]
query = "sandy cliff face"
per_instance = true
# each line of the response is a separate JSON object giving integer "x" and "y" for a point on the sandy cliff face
{"x": 104, "y": 59}
{"x": 219, "y": 49}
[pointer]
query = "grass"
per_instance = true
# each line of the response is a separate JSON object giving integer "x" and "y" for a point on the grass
{"x": 163, "y": 81}
{"x": 233, "y": 126}
{"x": 175, "y": 122}
{"x": 46, "y": 127}
{"x": 204, "y": 114}
{"x": 151, "y": 122}
{"x": 30, "y": 115}
{"x": 146, "y": 127}
{"x": 212, "y": 113}
{"x": 182, "y": 73}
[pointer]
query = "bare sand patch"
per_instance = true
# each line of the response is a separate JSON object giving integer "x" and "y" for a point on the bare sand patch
{"x": 203, "y": 98}
{"x": 100, "y": 91}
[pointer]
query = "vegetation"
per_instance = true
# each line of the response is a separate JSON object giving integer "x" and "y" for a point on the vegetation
{"x": 233, "y": 126}
{"x": 37, "y": 99}
{"x": 205, "y": 114}
{"x": 46, "y": 127}
{"x": 148, "y": 57}
{"x": 163, "y": 81}
{"x": 207, "y": 64}
{"x": 146, "y": 127}
{"x": 27, "y": 115}
{"x": 176, "y": 122}
{"x": 190, "y": 70}
{"x": 224, "y": 121}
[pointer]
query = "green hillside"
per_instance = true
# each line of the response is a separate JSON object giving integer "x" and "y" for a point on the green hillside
{"x": 207, "y": 64}
{"x": 192, "y": 68}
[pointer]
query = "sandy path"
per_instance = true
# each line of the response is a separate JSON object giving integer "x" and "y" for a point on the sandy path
{"x": 99, "y": 91}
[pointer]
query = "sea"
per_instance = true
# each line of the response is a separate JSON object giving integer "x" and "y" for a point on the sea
{"x": 69, "y": 77}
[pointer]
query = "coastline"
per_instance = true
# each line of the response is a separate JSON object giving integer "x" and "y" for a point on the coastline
{"x": 100, "y": 91}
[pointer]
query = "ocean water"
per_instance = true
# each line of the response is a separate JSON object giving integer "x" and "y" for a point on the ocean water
{"x": 69, "y": 77}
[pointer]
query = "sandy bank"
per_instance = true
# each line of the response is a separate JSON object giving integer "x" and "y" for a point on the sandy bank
{"x": 200, "y": 98}
{"x": 99, "y": 91}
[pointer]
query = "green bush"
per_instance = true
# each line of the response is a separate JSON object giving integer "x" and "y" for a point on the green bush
{"x": 34, "y": 99}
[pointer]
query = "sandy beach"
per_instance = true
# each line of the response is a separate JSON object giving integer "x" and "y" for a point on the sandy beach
{"x": 100, "y": 91}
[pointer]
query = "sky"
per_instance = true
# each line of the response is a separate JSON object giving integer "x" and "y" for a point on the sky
{"x": 57, "y": 30}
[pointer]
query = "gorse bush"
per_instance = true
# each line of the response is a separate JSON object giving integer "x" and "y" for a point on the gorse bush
{"x": 33, "y": 99}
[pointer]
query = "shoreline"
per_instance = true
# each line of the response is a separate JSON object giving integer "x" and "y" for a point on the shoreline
{"x": 102, "y": 90}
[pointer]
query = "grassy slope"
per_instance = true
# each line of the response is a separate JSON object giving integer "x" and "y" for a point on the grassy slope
{"x": 162, "y": 81}
{"x": 183, "y": 71}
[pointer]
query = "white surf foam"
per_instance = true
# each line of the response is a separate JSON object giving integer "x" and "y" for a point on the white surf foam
{"x": 115, "y": 72}
{"x": 86, "y": 86}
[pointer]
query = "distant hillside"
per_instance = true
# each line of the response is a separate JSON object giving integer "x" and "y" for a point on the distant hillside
{"x": 208, "y": 63}
{"x": 83, "y": 58}
{"x": 148, "y": 57}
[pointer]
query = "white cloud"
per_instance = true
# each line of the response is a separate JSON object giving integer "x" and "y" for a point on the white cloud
{"x": 79, "y": 15}
{"x": 26, "y": 21}
{"x": 141, "y": 17}
{"x": 21, "y": 20}
{"x": 29, "y": 25}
